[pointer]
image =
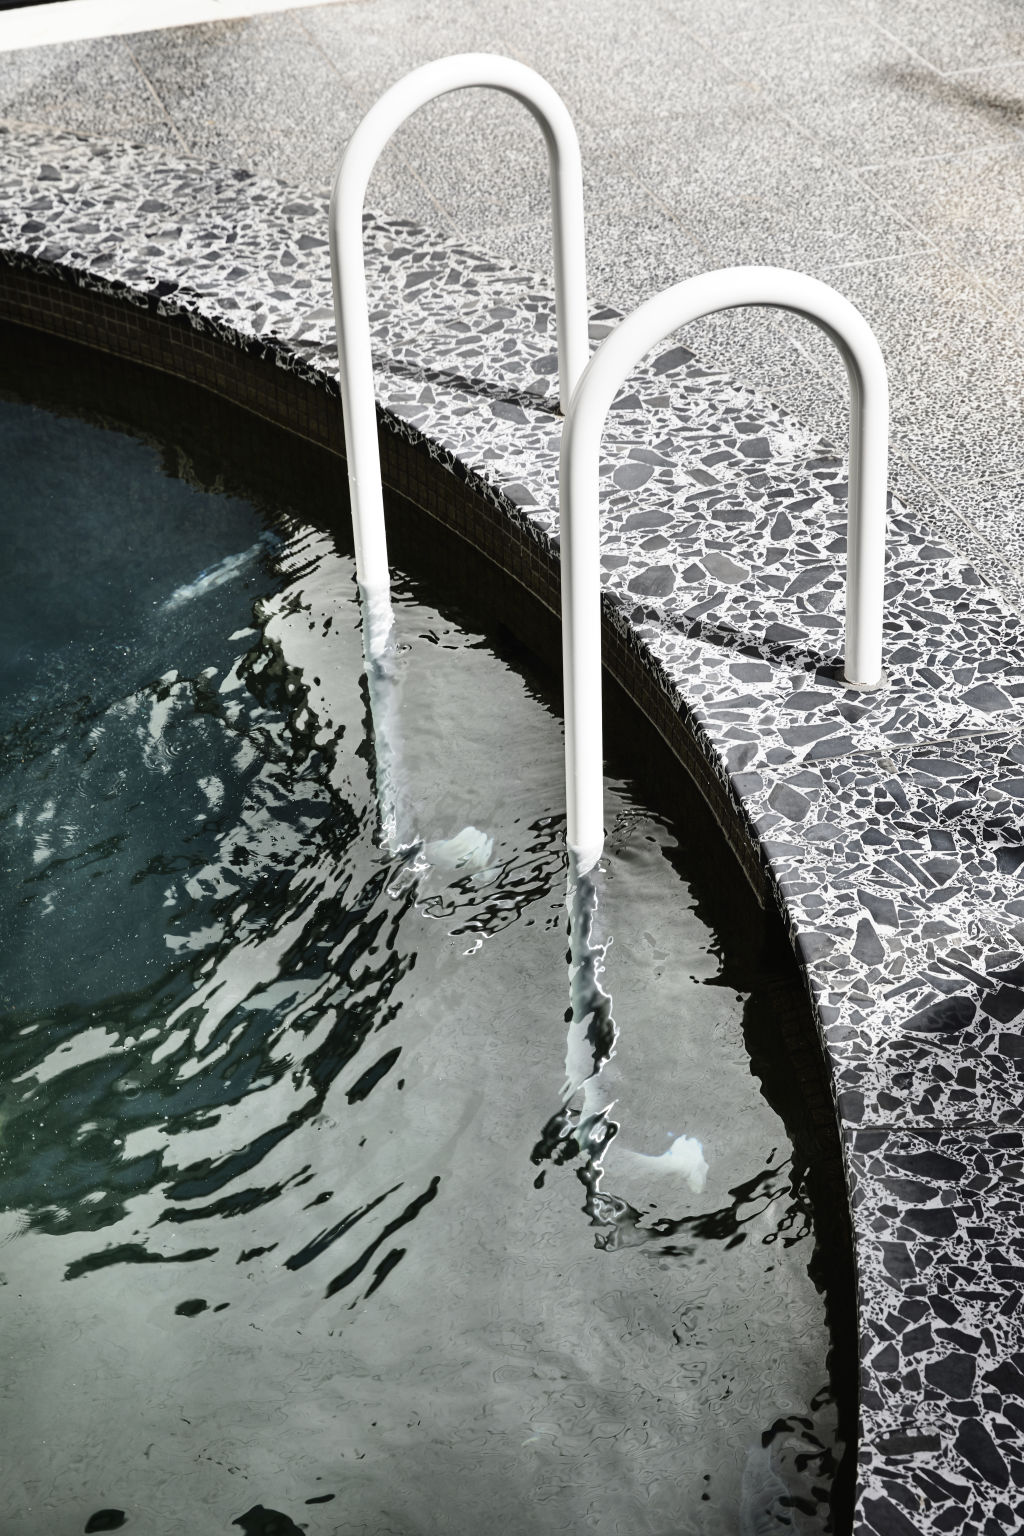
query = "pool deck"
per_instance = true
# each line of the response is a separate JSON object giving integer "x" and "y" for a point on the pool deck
{"x": 890, "y": 823}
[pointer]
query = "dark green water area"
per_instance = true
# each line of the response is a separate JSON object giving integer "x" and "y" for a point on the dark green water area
{"x": 298, "y": 1231}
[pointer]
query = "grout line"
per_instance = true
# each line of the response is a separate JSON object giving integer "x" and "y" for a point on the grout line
{"x": 1008, "y": 147}
{"x": 930, "y": 245}
{"x": 978, "y": 69}
{"x": 899, "y": 42}
{"x": 40, "y": 125}
{"x": 156, "y": 96}
{"x": 1008, "y": 582}
{"x": 824, "y": 149}
{"x": 407, "y": 170}
{"x": 876, "y": 261}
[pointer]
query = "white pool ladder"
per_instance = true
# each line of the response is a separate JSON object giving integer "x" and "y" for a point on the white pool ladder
{"x": 586, "y": 391}
{"x": 611, "y": 365}
{"x": 355, "y": 363}
{"x": 348, "y": 272}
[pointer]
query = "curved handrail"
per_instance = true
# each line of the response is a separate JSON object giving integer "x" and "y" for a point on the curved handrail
{"x": 349, "y": 276}
{"x": 610, "y": 366}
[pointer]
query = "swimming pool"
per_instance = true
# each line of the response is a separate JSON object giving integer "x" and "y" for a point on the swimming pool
{"x": 293, "y": 1210}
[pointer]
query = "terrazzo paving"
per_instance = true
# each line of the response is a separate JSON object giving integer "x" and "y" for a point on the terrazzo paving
{"x": 890, "y": 821}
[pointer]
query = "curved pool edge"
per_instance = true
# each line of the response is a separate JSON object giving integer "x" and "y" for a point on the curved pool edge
{"x": 887, "y": 825}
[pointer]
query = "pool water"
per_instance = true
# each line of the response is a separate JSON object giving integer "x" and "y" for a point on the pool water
{"x": 296, "y": 1231}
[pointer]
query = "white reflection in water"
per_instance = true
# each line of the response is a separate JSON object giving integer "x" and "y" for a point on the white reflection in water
{"x": 299, "y": 1211}
{"x": 218, "y": 575}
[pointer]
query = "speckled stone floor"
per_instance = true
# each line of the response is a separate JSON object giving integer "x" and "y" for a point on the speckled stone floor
{"x": 891, "y": 822}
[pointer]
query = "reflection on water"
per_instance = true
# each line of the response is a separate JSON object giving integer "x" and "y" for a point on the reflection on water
{"x": 298, "y": 1230}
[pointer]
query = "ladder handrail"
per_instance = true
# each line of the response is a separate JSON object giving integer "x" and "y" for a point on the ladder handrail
{"x": 579, "y": 474}
{"x": 348, "y": 272}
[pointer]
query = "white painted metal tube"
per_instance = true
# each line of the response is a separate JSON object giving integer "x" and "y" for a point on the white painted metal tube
{"x": 382, "y": 692}
{"x": 349, "y": 276}
{"x": 608, "y": 369}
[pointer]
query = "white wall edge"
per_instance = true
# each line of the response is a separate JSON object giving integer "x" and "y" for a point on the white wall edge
{"x": 69, "y": 21}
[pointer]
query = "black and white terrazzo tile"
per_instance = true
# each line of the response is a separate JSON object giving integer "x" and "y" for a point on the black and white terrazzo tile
{"x": 891, "y": 822}
{"x": 938, "y": 1218}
